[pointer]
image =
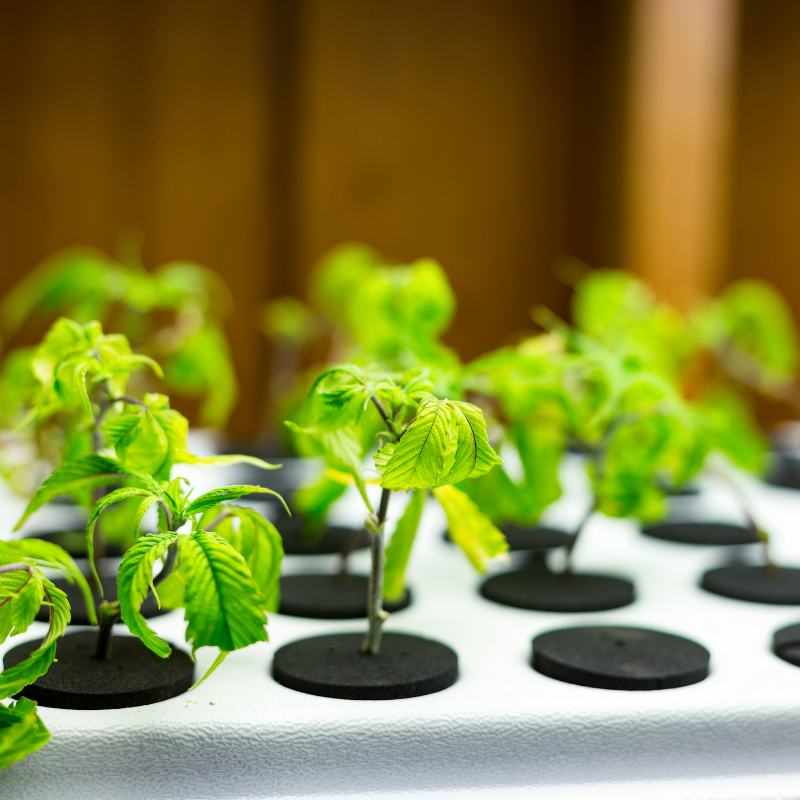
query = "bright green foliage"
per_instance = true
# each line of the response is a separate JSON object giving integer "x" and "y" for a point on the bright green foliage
{"x": 39, "y": 553}
{"x": 446, "y": 444}
{"x": 524, "y": 394}
{"x": 399, "y": 549}
{"x": 261, "y": 546}
{"x": 620, "y": 311}
{"x": 21, "y": 731}
{"x": 750, "y": 329}
{"x": 149, "y": 437}
{"x": 89, "y": 472}
{"x": 225, "y": 580}
{"x": 224, "y": 607}
{"x": 22, "y": 593}
{"x": 173, "y": 314}
{"x": 72, "y": 358}
{"x": 470, "y": 529}
{"x": 432, "y": 442}
{"x": 134, "y": 582}
{"x": 289, "y": 318}
{"x": 314, "y": 501}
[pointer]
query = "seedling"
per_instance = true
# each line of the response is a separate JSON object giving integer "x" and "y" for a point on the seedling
{"x": 229, "y": 581}
{"x": 173, "y": 314}
{"x": 363, "y": 310}
{"x": 427, "y": 444}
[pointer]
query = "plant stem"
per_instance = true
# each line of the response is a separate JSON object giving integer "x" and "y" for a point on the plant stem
{"x": 573, "y": 541}
{"x": 384, "y": 416}
{"x": 109, "y": 615}
{"x": 375, "y": 612}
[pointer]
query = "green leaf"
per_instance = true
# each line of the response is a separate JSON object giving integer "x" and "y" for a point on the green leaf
{"x": 224, "y": 607}
{"x": 147, "y": 501}
{"x": 49, "y": 555}
{"x": 16, "y": 678}
{"x": 103, "y": 503}
{"x": 445, "y": 444}
{"x": 133, "y": 584}
{"x": 344, "y": 452}
{"x": 400, "y": 545}
{"x": 216, "y": 496}
{"x": 185, "y": 457}
{"x": 313, "y": 502}
{"x": 471, "y": 530}
{"x": 258, "y": 541}
{"x": 21, "y": 731}
{"x": 88, "y": 472}
{"x": 21, "y": 597}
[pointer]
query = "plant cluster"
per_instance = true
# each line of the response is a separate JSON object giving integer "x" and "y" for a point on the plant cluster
{"x": 173, "y": 315}
{"x": 219, "y": 562}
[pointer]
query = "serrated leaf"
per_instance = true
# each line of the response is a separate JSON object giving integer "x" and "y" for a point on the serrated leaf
{"x": 222, "y": 495}
{"x": 21, "y": 731}
{"x": 47, "y": 554}
{"x": 224, "y": 607}
{"x": 445, "y": 444}
{"x": 469, "y": 528}
{"x": 147, "y": 501}
{"x": 16, "y": 678}
{"x": 399, "y": 549}
{"x": 88, "y": 472}
{"x": 133, "y": 584}
{"x": 21, "y": 596}
{"x": 98, "y": 508}
{"x": 259, "y": 542}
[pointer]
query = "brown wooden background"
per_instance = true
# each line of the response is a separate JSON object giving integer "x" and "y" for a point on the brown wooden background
{"x": 252, "y": 135}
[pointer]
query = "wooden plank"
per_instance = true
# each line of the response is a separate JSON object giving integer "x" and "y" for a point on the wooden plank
{"x": 766, "y": 208}
{"x": 442, "y": 129}
{"x": 680, "y": 113}
{"x": 149, "y": 114}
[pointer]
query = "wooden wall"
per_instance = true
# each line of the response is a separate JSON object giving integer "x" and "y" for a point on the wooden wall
{"x": 252, "y": 135}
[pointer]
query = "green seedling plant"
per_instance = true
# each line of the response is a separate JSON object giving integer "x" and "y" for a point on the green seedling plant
{"x": 173, "y": 315}
{"x": 363, "y": 310}
{"x": 426, "y": 444}
{"x": 24, "y": 589}
{"x": 225, "y": 580}
{"x": 82, "y": 376}
{"x": 139, "y": 442}
{"x": 522, "y": 396}
{"x": 743, "y": 339}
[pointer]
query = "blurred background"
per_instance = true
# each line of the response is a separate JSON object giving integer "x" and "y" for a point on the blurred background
{"x": 496, "y": 136}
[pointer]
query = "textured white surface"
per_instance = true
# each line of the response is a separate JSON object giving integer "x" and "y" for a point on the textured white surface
{"x": 500, "y": 727}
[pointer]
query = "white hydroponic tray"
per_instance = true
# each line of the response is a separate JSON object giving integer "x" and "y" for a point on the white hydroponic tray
{"x": 502, "y": 728}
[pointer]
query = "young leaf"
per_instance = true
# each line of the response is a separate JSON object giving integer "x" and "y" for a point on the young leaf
{"x": 16, "y": 678}
{"x": 185, "y": 457}
{"x": 224, "y": 607}
{"x": 471, "y": 530}
{"x": 445, "y": 444}
{"x": 88, "y": 472}
{"x": 216, "y": 496}
{"x": 258, "y": 541}
{"x": 399, "y": 548}
{"x": 21, "y": 731}
{"x": 133, "y": 583}
{"x": 47, "y": 554}
{"x": 103, "y": 503}
{"x": 21, "y": 596}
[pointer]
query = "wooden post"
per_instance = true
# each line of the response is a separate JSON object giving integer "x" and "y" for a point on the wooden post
{"x": 679, "y": 125}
